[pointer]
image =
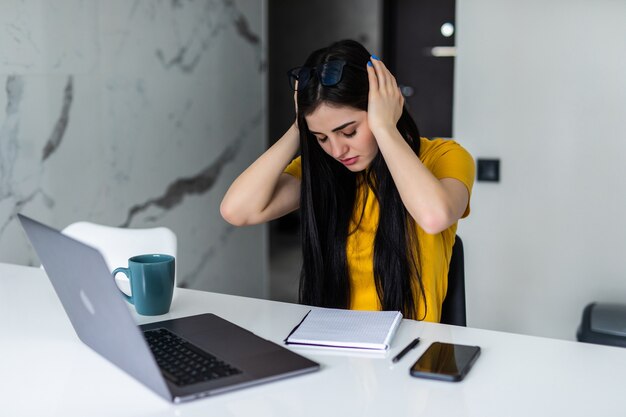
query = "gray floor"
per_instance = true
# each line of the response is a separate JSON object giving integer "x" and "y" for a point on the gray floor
{"x": 285, "y": 265}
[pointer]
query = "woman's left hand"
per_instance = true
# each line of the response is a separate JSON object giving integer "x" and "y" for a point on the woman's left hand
{"x": 385, "y": 99}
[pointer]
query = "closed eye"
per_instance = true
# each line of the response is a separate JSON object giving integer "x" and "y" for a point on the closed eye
{"x": 321, "y": 140}
{"x": 349, "y": 134}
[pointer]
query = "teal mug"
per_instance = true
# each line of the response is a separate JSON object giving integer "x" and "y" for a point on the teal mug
{"x": 151, "y": 283}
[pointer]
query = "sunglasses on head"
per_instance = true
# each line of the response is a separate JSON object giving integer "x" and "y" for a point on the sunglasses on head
{"x": 328, "y": 73}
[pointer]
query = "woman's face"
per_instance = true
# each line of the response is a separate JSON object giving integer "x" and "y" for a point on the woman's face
{"x": 344, "y": 134}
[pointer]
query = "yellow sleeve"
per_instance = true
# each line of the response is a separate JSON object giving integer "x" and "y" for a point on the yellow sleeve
{"x": 448, "y": 159}
{"x": 294, "y": 168}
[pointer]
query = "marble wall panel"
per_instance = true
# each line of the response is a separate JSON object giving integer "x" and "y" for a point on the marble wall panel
{"x": 135, "y": 114}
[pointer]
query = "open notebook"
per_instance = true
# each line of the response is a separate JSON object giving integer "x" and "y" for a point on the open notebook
{"x": 346, "y": 328}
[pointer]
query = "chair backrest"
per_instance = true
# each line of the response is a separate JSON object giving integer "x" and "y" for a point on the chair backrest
{"x": 117, "y": 244}
{"x": 453, "y": 308}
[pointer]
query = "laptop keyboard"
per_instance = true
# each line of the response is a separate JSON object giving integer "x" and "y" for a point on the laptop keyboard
{"x": 183, "y": 363}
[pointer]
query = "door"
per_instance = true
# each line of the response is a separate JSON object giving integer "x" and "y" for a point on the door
{"x": 418, "y": 37}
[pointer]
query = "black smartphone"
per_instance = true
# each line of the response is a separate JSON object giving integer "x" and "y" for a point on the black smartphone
{"x": 445, "y": 361}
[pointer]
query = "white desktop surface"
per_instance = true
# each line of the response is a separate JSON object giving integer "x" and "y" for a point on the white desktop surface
{"x": 47, "y": 371}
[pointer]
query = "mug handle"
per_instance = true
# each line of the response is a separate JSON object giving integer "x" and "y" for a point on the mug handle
{"x": 125, "y": 271}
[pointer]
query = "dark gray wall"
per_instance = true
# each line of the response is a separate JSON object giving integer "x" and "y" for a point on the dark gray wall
{"x": 296, "y": 28}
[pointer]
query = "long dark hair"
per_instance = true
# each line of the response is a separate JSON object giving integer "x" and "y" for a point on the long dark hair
{"x": 329, "y": 194}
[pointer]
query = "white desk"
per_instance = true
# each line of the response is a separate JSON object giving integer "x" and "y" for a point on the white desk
{"x": 46, "y": 371}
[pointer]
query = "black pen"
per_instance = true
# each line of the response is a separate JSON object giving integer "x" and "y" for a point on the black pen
{"x": 406, "y": 350}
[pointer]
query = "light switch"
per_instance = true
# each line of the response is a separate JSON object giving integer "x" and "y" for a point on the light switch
{"x": 488, "y": 170}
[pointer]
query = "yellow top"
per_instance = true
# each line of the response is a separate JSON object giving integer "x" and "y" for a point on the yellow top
{"x": 445, "y": 159}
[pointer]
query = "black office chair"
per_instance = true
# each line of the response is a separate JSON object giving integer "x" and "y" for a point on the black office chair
{"x": 453, "y": 308}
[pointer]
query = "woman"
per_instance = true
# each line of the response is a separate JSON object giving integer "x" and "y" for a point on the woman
{"x": 379, "y": 204}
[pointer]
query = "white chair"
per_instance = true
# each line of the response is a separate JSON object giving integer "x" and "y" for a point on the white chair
{"x": 118, "y": 244}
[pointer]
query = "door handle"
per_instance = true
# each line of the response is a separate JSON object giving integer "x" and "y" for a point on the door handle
{"x": 406, "y": 90}
{"x": 441, "y": 51}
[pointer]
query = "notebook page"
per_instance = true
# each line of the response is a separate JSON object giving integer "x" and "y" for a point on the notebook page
{"x": 347, "y": 328}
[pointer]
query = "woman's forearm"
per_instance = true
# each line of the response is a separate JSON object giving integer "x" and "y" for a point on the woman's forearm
{"x": 252, "y": 192}
{"x": 434, "y": 204}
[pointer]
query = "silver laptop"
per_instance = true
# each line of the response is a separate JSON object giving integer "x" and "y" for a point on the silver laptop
{"x": 180, "y": 359}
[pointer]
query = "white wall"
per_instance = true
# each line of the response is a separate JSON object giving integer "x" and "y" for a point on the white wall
{"x": 149, "y": 109}
{"x": 541, "y": 84}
